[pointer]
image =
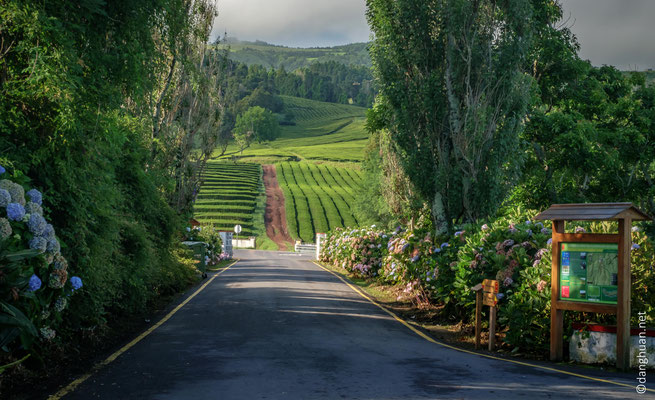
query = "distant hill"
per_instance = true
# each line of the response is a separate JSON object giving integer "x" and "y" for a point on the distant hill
{"x": 292, "y": 58}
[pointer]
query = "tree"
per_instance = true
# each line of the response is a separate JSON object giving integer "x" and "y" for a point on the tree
{"x": 453, "y": 96}
{"x": 257, "y": 124}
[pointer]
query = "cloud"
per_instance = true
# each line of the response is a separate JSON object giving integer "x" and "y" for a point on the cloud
{"x": 298, "y": 23}
{"x": 614, "y": 32}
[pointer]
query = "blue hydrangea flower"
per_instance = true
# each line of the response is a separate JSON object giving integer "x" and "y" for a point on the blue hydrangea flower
{"x": 53, "y": 246}
{"x": 37, "y": 224}
{"x": 76, "y": 282}
{"x": 33, "y": 208}
{"x": 35, "y": 196}
{"x": 5, "y": 198}
{"x": 15, "y": 190}
{"x": 445, "y": 244}
{"x": 635, "y": 246}
{"x": 2, "y": 170}
{"x": 39, "y": 243}
{"x": 49, "y": 232}
{"x": 34, "y": 283}
{"x": 15, "y": 211}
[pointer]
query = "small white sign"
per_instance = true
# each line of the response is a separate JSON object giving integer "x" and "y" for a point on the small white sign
{"x": 237, "y": 229}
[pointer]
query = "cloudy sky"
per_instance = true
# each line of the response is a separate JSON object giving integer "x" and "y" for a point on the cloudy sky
{"x": 615, "y": 32}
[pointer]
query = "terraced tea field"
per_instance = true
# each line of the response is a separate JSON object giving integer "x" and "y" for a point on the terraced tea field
{"x": 317, "y": 166}
{"x": 318, "y": 197}
{"x": 229, "y": 196}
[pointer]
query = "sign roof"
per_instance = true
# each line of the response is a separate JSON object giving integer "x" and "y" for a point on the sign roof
{"x": 593, "y": 211}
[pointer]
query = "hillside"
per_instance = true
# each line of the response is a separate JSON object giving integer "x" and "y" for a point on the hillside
{"x": 323, "y": 132}
{"x": 291, "y": 58}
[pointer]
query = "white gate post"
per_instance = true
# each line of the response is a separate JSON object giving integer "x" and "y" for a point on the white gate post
{"x": 319, "y": 242}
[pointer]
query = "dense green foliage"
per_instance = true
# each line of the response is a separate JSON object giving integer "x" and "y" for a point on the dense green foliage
{"x": 318, "y": 197}
{"x": 228, "y": 196}
{"x": 276, "y": 57}
{"x": 106, "y": 109}
{"x": 331, "y": 82}
{"x": 558, "y": 131}
{"x": 512, "y": 249}
{"x": 593, "y": 142}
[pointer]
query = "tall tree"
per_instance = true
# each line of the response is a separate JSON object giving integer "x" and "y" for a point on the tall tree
{"x": 453, "y": 96}
{"x": 256, "y": 123}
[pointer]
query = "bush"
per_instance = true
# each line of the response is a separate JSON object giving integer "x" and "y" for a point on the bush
{"x": 358, "y": 251}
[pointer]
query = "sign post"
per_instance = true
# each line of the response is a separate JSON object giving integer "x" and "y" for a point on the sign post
{"x": 485, "y": 294}
{"x": 237, "y": 230}
{"x": 591, "y": 272}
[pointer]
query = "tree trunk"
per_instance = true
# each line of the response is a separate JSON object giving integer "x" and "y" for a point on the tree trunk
{"x": 439, "y": 215}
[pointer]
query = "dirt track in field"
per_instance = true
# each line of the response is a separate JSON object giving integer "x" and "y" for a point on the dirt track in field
{"x": 275, "y": 215}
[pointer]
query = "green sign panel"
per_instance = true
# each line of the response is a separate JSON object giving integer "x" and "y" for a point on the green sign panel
{"x": 588, "y": 272}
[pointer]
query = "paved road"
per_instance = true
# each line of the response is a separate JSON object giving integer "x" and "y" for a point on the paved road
{"x": 275, "y": 326}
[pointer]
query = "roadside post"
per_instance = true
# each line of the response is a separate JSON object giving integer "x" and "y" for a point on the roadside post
{"x": 237, "y": 230}
{"x": 485, "y": 294}
{"x": 320, "y": 237}
{"x": 591, "y": 272}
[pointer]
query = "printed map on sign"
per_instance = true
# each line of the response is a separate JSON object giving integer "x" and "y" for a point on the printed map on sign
{"x": 601, "y": 268}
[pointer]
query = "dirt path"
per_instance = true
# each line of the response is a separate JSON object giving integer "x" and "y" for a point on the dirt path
{"x": 275, "y": 216}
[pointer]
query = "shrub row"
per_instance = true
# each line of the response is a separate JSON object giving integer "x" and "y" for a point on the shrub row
{"x": 515, "y": 250}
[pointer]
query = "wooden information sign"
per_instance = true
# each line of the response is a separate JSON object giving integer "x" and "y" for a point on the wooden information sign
{"x": 591, "y": 272}
{"x": 490, "y": 286}
{"x": 485, "y": 294}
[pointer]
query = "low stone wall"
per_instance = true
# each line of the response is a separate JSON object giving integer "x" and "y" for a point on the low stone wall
{"x": 599, "y": 347}
{"x": 244, "y": 243}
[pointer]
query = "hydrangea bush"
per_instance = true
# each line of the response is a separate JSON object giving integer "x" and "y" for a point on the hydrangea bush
{"x": 34, "y": 287}
{"x": 358, "y": 251}
{"x": 212, "y": 239}
{"x": 513, "y": 249}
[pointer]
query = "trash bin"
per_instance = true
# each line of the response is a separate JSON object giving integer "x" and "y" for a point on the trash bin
{"x": 199, "y": 252}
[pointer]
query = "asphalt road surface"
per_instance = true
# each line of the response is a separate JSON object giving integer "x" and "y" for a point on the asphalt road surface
{"x": 276, "y": 326}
